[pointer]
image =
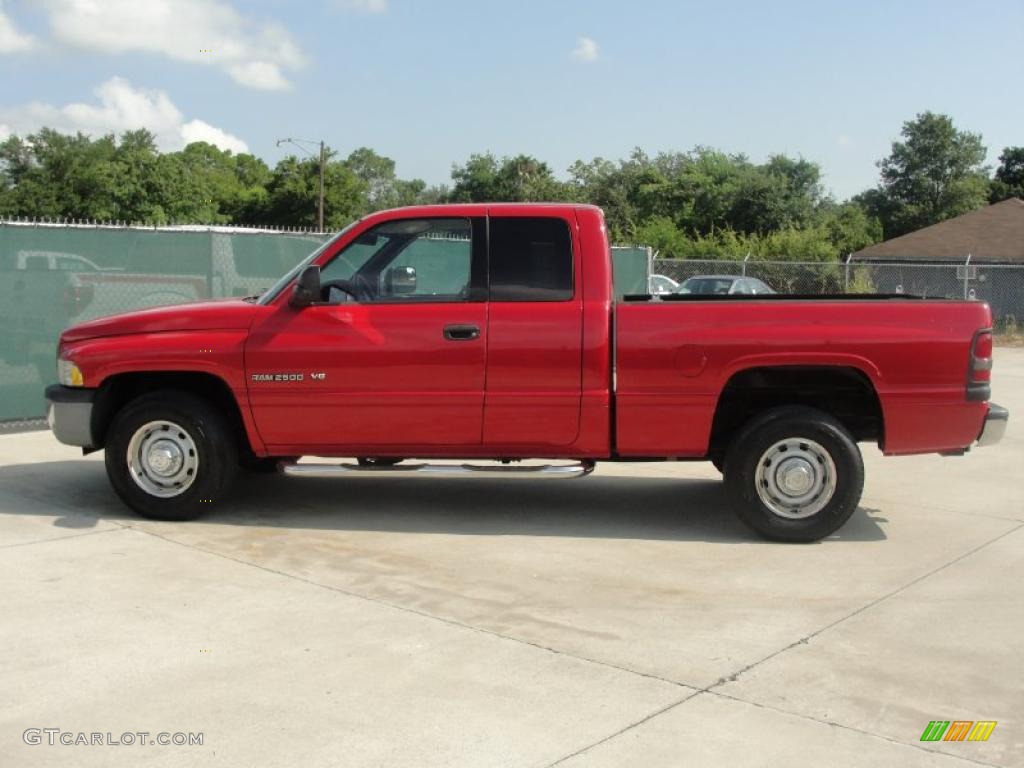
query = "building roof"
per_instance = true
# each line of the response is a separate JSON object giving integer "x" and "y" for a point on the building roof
{"x": 994, "y": 234}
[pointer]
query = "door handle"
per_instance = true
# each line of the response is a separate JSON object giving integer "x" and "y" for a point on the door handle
{"x": 461, "y": 332}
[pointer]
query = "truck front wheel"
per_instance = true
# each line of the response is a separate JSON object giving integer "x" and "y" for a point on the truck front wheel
{"x": 794, "y": 474}
{"x": 170, "y": 455}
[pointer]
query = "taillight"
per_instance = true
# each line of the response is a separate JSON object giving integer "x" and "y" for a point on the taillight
{"x": 979, "y": 367}
{"x": 981, "y": 358}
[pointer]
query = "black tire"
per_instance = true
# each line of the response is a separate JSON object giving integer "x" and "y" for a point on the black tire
{"x": 804, "y": 432}
{"x": 718, "y": 462}
{"x": 377, "y": 461}
{"x": 215, "y": 460}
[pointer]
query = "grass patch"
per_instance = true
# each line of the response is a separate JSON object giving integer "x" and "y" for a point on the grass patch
{"x": 1008, "y": 332}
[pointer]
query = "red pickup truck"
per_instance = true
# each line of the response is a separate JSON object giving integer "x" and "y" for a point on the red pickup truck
{"x": 490, "y": 332}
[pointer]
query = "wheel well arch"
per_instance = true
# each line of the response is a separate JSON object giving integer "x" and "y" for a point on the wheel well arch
{"x": 845, "y": 392}
{"x": 120, "y": 389}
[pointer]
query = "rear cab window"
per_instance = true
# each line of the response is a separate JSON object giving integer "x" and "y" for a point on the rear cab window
{"x": 530, "y": 259}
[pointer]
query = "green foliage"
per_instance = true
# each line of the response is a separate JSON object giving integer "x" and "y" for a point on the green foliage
{"x": 696, "y": 204}
{"x": 519, "y": 179}
{"x": 1009, "y": 178}
{"x": 849, "y": 227}
{"x": 699, "y": 192}
{"x": 49, "y": 174}
{"x": 52, "y": 174}
{"x": 381, "y": 187}
{"x": 792, "y": 244}
{"x": 813, "y": 244}
{"x": 861, "y": 280}
{"x": 661, "y": 233}
{"x": 934, "y": 174}
{"x": 1008, "y": 326}
{"x": 293, "y": 194}
{"x": 612, "y": 186}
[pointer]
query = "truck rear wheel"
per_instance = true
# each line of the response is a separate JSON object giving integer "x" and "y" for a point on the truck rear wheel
{"x": 170, "y": 455}
{"x": 794, "y": 474}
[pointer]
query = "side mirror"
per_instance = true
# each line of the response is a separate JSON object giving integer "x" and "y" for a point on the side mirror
{"x": 307, "y": 289}
{"x": 399, "y": 280}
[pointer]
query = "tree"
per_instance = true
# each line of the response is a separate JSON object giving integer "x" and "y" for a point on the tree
{"x": 934, "y": 174}
{"x": 613, "y": 187}
{"x": 696, "y": 203}
{"x": 251, "y": 197}
{"x": 136, "y": 179}
{"x": 528, "y": 180}
{"x": 700, "y": 192}
{"x": 849, "y": 227}
{"x": 476, "y": 180}
{"x": 383, "y": 188}
{"x": 661, "y": 233}
{"x": 293, "y": 190}
{"x": 519, "y": 179}
{"x": 1009, "y": 179}
{"x": 49, "y": 174}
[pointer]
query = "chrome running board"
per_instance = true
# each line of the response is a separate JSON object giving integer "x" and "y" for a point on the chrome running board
{"x": 549, "y": 471}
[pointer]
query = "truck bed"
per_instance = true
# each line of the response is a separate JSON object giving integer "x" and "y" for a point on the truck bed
{"x": 674, "y": 358}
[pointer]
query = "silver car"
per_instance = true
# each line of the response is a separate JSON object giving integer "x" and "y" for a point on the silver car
{"x": 661, "y": 285}
{"x": 723, "y": 284}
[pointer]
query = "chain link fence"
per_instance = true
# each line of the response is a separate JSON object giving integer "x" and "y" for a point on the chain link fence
{"x": 1001, "y": 285}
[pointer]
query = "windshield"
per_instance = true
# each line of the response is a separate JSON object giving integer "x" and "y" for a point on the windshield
{"x": 271, "y": 293}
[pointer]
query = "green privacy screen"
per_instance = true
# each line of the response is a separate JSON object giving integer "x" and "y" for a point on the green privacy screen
{"x": 631, "y": 267}
{"x": 55, "y": 276}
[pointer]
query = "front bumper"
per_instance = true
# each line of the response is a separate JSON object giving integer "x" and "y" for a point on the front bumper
{"x": 994, "y": 426}
{"x": 69, "y": 414}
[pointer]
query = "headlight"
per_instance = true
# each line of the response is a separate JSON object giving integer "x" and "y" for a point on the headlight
{"x": 68, "y": 374}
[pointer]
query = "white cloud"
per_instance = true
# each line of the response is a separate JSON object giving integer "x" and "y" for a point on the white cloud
{"x": 585, "y": 50}
{"x": 11, "y": 40}
{"x": 365, "y": 6}
{"x": 843, "y": 140}
{"x": 211, "y": 32}
{"x": 121, "y": 107}
{"x": 259, "y": 74}
{"x": 197, "y": 130}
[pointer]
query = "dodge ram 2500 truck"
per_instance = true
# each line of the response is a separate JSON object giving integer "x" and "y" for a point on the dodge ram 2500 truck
{"x": 490, "y": 332}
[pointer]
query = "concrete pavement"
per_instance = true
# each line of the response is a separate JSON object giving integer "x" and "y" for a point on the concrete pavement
{"x": 625, "y": 619}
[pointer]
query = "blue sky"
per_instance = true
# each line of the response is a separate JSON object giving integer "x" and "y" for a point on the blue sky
{"x": 429, "y": 83}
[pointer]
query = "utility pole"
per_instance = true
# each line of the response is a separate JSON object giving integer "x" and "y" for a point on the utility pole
{"x": 322, "y": 162}
{"x": 320, "y": 218}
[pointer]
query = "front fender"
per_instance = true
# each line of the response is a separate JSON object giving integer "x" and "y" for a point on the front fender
{"x": 215, "y": 353}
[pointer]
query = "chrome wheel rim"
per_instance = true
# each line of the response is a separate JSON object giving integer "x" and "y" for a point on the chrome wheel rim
{"x": 162, "y": 459}
{"x": 796, "y": 478}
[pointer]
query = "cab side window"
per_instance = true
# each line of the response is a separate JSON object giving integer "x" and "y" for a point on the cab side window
{"x": 530, "y": 259}
{"x": 405, "y": 260}
{"x": 441, "y": 263}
